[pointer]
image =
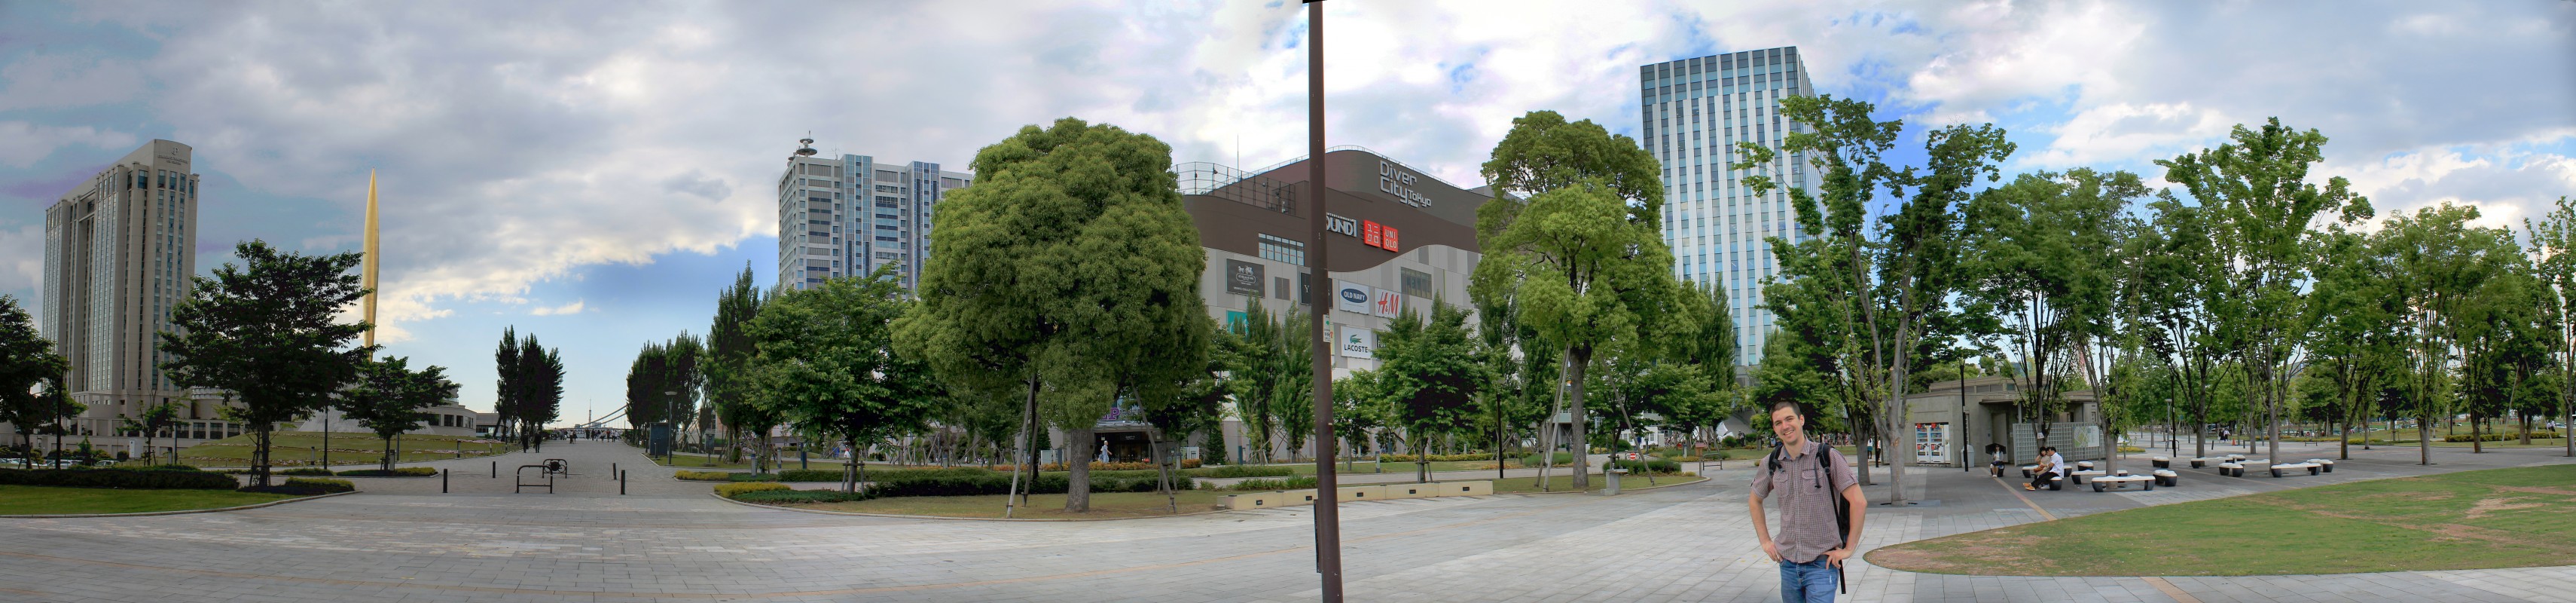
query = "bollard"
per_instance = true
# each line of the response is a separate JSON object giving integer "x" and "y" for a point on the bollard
{"x": 496, "y": 470}
{"x": 442, "y": 480}
{"x": 621, "y": 483}
{"x": 612, "y": 468}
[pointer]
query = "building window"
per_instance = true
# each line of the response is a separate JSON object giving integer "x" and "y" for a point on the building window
{"x": 1282, "y": 250}
{"x": 1416, "y": 283}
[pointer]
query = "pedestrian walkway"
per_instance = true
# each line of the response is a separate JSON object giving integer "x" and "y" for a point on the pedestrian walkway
{"x": 668, "y": 541}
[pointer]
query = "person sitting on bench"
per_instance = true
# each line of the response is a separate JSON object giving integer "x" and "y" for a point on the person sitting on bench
{"x": 1997, "y": 451}
{"x": 2050, "y": 465}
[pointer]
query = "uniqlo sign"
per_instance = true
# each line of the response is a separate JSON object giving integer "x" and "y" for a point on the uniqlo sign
{"x": 1386, "y": 238}
{"x": 1369, "y": 233}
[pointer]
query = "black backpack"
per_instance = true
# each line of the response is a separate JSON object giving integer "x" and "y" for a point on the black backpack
{"x": 1842, "y": 511}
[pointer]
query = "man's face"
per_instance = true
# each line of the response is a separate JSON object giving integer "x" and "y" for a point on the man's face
{"x": 1788, "y": 425}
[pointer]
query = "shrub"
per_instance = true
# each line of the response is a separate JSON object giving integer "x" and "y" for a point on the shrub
{"x": 306, "y": 471}
{"x": 169, "y": 468}
{"x": 2498, "y": 437}
{"x": 1562, "y": 459}
{"x": 305, "y": 486}
{"x": 1650, "y": 466}
{"x": 397, "y": 472}
{"x": 1243, "y": 471}
{"x": 704, "y": 476}
{"x": 931, "y": 483}
{"x": 1294, "y": 483}
{"x": 800, "y": 496}
{"x": 139, "y": 479}
{"x": 810, "y": 475}
{"x": 1099, "y": 466}
{"x": 1436, "y": 458}
{"x": 729, "y": 490}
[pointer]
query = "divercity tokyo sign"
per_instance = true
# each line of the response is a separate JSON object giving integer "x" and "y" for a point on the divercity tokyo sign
{"x": 1394, "y": 180}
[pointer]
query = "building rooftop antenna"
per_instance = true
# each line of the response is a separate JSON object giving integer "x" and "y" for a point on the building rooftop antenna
{"x": 805, "y": 146}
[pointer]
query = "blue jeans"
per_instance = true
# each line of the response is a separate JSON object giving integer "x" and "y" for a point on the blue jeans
{"x": 1810, "y": 582}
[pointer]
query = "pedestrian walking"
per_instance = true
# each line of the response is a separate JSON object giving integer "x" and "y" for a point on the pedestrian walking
{"x": 1820, "y": 509}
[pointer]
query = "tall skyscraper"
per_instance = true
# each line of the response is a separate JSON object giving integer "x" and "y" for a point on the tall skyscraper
{"x": 1695, "y": 111}
{"x": 850, "y": 215}
{"x": 119, "y": 249}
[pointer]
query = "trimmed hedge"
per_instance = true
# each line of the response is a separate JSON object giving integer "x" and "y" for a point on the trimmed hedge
{"x": 1562, "y": 459}
{"x": 1241, "y": 471}
{"x": 800, "y": 496}
{"x": 1436, "y": 458}
{"x": 306, "y": 486}
{"x": 812, "y": 475}
{"x": 2499, "y": 437}
{"x": 729, "y": 490}
{"x": 138, "y": 479}
{"x": 1100, "y": 466}
{"x": 397, "y": 472}
{"x": 961, "y": 483}
{"x": 724, "y": 476}
{"x": 1293, "y": 483}
{"x": 1651, "y": 465}
{"x": 305, "y": 471}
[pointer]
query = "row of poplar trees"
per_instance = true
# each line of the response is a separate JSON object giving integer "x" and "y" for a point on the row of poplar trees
{"x": 529, "y": 392}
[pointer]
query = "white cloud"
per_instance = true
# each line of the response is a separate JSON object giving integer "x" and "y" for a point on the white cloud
{"x": 22, "y": 261}
{"x": 2124, "y": 132}
{"x": 2506, "y": 187}
{"x": 41, "y": 80}
{"x": 571, "y": 308}
{"x": 22, "y": 144}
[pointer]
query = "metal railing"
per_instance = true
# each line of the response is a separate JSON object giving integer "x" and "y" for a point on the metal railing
{"x": 1225, "y": 182}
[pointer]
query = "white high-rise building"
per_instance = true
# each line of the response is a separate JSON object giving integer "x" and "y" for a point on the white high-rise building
{"x": 847, "y": 216}
{"x": 1695, "y": 111}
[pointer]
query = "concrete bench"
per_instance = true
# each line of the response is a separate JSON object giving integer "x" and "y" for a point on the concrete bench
{"x": 2162, "y": 462}
{"x": 2079, "y": 475}
{"x": 2210, "y": 460}
{"x": 2168, "y": 478}
{"x": 2115, "y": 481}
{"x": 2328, "y": 464}
{"x": 2237, "y": 468}
{"x": 2313, "y": 468}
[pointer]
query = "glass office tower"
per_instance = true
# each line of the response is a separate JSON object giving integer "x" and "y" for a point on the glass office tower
{"x": 1694, "y": 112}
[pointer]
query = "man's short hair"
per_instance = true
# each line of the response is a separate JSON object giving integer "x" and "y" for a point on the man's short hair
{"x": 1792, "y": 405}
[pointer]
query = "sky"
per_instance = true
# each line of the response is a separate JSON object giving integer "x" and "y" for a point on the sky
{"x": 595, "y": 172}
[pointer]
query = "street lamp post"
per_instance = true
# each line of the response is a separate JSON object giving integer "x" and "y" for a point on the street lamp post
{"x": 2173, "y": 430}
{"x": 670, "y": 414}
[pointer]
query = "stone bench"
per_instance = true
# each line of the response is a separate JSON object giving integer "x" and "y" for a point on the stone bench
{"x": 2162, "y": 462}
{"x": 2209, "y": 460}
{"x": 2237, "y": 468}
{"x": 2115, "y": 481}
{"x": 2313, "y": 468}
{"x": 2078, "y": 475}
{"x": 2328, "y": 464}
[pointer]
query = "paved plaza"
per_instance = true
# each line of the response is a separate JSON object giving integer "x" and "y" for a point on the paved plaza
{"x": 402, "y": 540}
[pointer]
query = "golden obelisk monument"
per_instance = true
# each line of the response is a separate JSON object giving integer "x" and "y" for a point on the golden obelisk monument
{"x": 370, "y": 262}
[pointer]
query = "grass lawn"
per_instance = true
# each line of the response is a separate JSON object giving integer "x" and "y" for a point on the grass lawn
{"x": 1041, "y": 506}
{"x": 2518, "y": 517}
{"x": 1565, "y": 483}
{"x": 50, "y": 500}
{"x": 699, "y": 461}
{"x": 296, "y": 448}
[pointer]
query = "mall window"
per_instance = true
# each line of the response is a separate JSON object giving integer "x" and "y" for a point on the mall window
{"x": 1416, "y": 283}
{"x": 1282, "y": 250}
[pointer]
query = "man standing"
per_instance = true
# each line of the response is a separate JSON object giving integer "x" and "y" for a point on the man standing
{"x": 1809, "y": 477}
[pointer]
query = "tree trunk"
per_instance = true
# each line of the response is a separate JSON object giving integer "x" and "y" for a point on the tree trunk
{"x": 389, "y": 455}
{"x": 1896, "y": 416}
{"x": 850, "y": 467}
{"x": 2477, "y": 441}
{"x": 1077, "y": 487}
{"x": 1578, "y": 360}
{"x": 259, "y": 465}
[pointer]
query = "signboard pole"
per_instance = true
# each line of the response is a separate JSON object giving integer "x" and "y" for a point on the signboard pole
{"x": 1328, "y": 524}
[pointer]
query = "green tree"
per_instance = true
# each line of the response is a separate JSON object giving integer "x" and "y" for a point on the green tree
{"x": 540, "y": 376}
{"x": 390, "y": 399}
{"x": 2048, "y": 250}
{"x": 27, "y": 360}
{"x": 507, "y": 388}
{"x": 1429, "y": 375}
{"x": 2178, "y": 301}
{"x": 264, "y": 329}
{"x": 153, "y": 422}
{"x": 721, "y": 368}
{"x": 826, "y": 362}
{"x": 2358, "y": 328}
{"x": 1583, "y": 261}
{"x": 2258, "y": 184}
{"x": 2436, "y": 261}
{"x": 2553, "y": 240}
{"x": 1070, "y": 260}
